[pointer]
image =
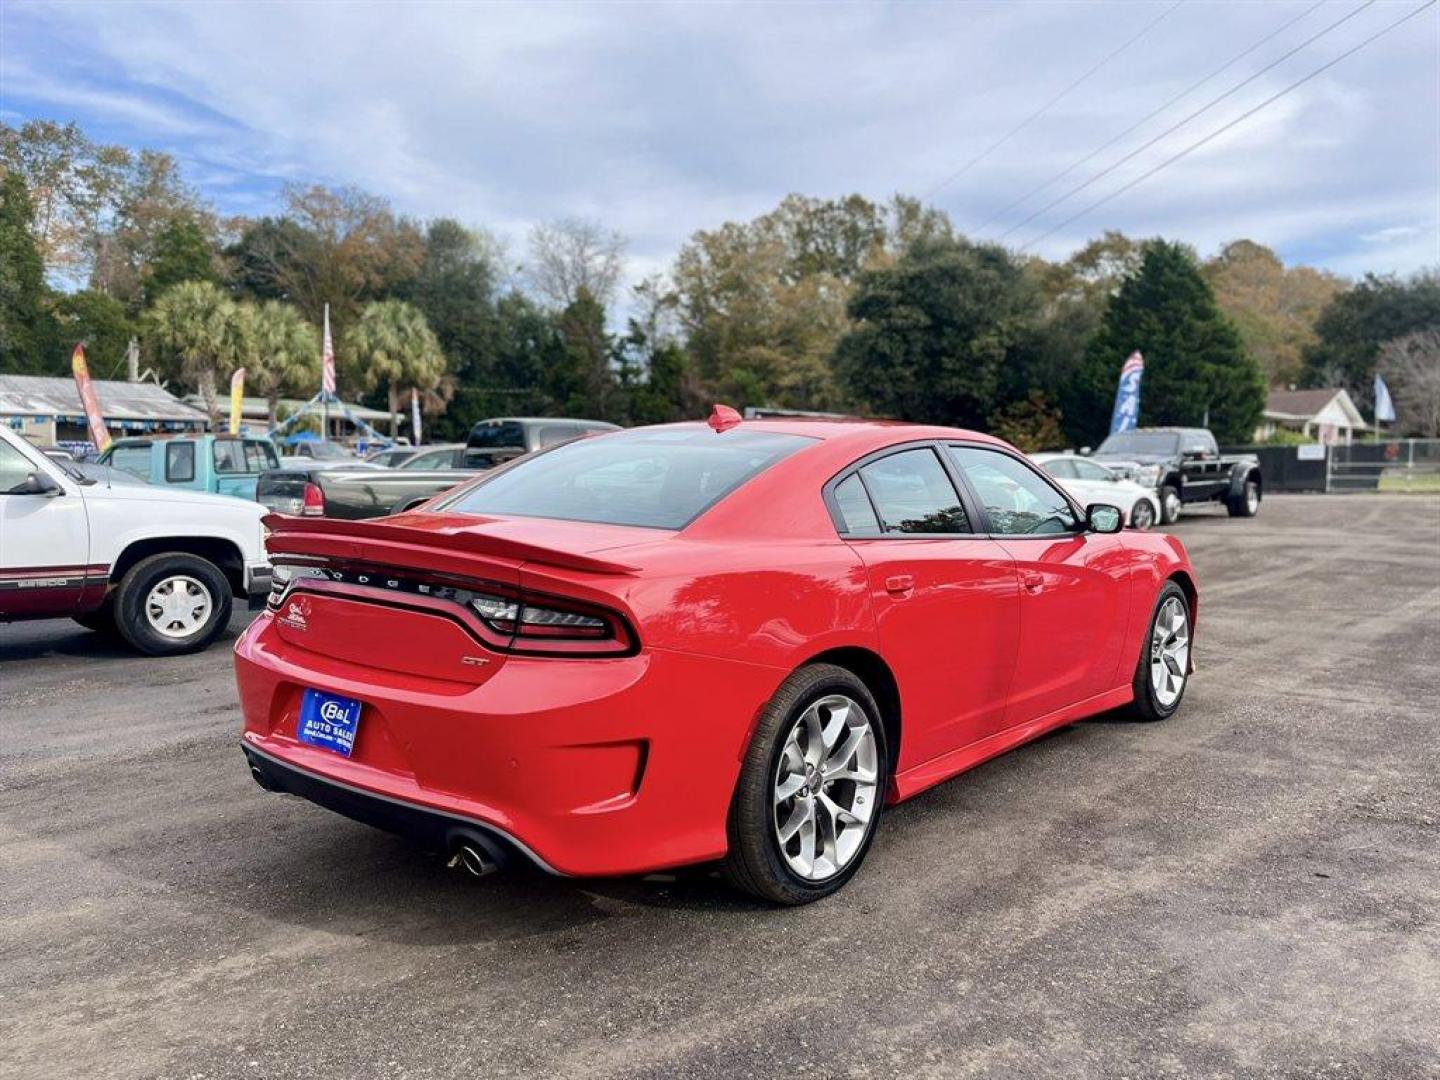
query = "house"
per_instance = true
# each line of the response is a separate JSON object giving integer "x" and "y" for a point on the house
{"x": 1328, "y": 415}
{"x": 47, "y": 410}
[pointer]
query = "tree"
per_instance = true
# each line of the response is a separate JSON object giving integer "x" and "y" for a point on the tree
{"x": 182, "y": 252}
{"x": 1355, "y": 324}
{"x": 1032, "y": 424}
{"x": 1274, "y": 307}
{"x": 572, "y": 256}
{"x": 935, "y": 332}
{"x": 391, "y": 345}
{"x": 285, "y": 353}
{"x": 1411, "y": 368}
{"x": 586, "y": 382}
{"x": 25, "y": 326}
{"x": 1196, "y": 366}
{"x": 207, "y": 332}
{"x": 101, "y": 322}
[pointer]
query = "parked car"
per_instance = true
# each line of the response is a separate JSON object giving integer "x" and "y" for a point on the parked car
{"x": 319, "y": 450}
{"x": 1089, "y": 481}
{"x": 223, "y": 464}
{"x": 346, "y": 492}
{"x": 685, "y": 643}
{"x": 508, "y": 437}
{"x": 1184, "y": 466}
{"x": 159, "y": 565}
{"x": 394, "y": 456}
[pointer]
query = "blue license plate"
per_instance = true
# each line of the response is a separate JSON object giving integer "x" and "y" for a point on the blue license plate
{"x": 329, "y": 721}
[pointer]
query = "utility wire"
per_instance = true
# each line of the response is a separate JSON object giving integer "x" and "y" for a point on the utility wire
{"x": 958, "y": 173}
{"x": 1226, "y": 127}
{"x": 1148, "y": 117}
{"x": 1178, "y": 125}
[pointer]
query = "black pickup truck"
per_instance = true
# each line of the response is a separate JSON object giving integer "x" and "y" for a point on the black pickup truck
{"x": 1184, "y": 466}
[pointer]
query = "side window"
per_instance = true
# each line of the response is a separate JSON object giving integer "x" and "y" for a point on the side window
{"x": 1199, "y": 442}
{"x": 260, "y": 456}
{"x": 229, "y": 456}
{"x": 180, "y": 462}
{"x": 551, "y": 434}
{"x": 1018, "y": 500}
{"x": 15, "y": 467}
{"x": 855, "y": 509}
{"x": 913, "y": 494}
{"x": 134, "y": 460}
{"x": 1088, "y": 470}
{"x": 1063, "y": 468}
{"x": 435, "y": 459}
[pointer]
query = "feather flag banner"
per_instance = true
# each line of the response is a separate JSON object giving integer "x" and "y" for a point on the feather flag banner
{"x": 1127, "y": 394}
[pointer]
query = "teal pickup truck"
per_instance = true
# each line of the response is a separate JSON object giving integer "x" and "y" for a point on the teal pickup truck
{"x": 225, "y": 464}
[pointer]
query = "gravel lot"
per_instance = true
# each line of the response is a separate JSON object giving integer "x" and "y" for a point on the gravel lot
{"x": 1251, "y": 889}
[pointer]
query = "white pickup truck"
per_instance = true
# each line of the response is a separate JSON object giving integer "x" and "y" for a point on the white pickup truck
{"x": 159, "y": 565}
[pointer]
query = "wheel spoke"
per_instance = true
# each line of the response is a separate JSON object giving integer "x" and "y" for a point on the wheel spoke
{"x": 828, "y": 830}
{"x": 789, "y": 786}
{"x": 805, "y": 860}
{"x": 814, "y": 736}
{"x": 802, "y": 812}
{"x": 847, "y": 750}
{"x": 839, "y": 717}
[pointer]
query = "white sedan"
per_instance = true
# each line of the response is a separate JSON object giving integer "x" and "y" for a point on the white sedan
{"x": 1091, "y": 482}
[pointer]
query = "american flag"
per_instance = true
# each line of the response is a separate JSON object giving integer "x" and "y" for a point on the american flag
{"x": 1133, "y": 362}
{"x": 327, "y": 358}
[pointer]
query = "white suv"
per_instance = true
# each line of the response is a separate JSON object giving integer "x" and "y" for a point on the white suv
{"x": 157, "y": 564}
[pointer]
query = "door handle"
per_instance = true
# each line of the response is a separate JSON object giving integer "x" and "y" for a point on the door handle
{"x": 900, "y": 585}
{"x": 1032, "y": 581}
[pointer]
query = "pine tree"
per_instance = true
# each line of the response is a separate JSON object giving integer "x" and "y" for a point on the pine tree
{"x": 26, "y": 327}
{"x": 1196, "y": 367}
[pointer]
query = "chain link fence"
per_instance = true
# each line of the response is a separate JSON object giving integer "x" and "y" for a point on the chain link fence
{"x": 1403, "y": 465}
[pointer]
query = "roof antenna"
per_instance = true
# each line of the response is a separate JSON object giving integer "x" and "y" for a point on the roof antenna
{"x": 723, "y": 417}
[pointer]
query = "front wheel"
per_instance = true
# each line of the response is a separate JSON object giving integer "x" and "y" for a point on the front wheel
{"x": 1247, "y": 503}
{"x": 172, "y": 603}
{"x": 1169, "y": 504}
{"x": 1142, "y": 514}
{"x": 1164, "y": 666}
{"x": 810, "y": 789}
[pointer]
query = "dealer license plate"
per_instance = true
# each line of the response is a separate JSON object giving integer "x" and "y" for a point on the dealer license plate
{"x": 329, "y": 721}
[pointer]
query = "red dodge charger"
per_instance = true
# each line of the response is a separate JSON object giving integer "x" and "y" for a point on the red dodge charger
{"x": 731, "y": 641}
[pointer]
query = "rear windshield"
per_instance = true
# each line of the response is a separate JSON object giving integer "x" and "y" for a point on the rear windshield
{"x": 661, "y": 478}
{"x": 496, "y": 433}
{"x": 1141, "y": 442}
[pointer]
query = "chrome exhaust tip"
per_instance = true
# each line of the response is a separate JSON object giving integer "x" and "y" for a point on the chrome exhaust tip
{"x": 473, "y": 860}
{"x": 259, "y": 777}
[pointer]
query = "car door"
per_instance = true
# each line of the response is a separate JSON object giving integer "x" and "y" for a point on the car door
{"x": 1200, "y": 464}
{"x": 946, "y": 600}
{"x": 1073, "y": 585}
{"x": 44, "y": 540}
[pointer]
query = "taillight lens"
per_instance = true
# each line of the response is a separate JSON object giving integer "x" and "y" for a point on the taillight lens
{"x": 545, "y": 624}
{"x": 314, "y": 501}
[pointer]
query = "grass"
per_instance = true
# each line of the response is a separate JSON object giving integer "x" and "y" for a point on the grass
{"x": 1416, "y": 481}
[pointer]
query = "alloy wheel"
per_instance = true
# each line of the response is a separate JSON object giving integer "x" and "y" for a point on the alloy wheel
{"x": 1171, "y": 506}
{"x": 1169, "y": 651}
{"x": 178, "y": 606}
{"x": 825, "y": 787}
{"x": 1142, "y": 515}
{"x": 1252, "y": 497}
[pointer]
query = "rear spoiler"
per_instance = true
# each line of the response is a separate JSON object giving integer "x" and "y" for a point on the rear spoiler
{"x": 371, "y": 540}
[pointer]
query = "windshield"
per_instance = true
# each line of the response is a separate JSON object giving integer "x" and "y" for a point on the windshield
{"x": 658, "y": 477}
{"x": 1141, "y": 442}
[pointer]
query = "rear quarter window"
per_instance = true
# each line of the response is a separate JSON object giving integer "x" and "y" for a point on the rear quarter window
{"x": 180, "y": 463}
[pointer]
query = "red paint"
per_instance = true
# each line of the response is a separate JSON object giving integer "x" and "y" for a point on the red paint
{"x": 626, "y": 762}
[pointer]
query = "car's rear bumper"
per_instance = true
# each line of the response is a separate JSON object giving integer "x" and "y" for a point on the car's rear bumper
{"x": 588, "y": 766}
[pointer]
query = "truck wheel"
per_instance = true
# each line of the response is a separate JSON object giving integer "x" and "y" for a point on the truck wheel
{"x": 810, "y": 789}
{"x": 169, "y": 604}
{"x": 1247, "y": 503}
{"x": 102, "y": 619}
{"x": 1169, "y": 504}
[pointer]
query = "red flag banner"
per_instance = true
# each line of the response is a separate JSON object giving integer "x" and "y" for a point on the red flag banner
{"x": 93, "y": 417}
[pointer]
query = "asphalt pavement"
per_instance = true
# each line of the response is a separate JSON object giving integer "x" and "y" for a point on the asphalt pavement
{"x": 1249, "y": 889}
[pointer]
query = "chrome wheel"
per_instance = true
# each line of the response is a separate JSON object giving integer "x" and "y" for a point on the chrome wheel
{"x": 1169, "y": 651}
{"x": 1142, "y": 514}
{"x": 1170, "y": 506}
{"x": 178, "y": 606}
{"x": 825, "y": 787}
{"x": 1252, "y": 497}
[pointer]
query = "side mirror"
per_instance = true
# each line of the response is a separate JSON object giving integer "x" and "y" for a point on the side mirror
{"x": 1101, "y": 518}
{"x": 37, "y": 483}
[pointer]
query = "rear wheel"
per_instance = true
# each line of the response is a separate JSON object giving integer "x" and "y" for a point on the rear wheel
{"x": 1142, "y": 514}
{"x": 1164, "y": 665}
{"x": 1247, "y": 503}
{"x": 810, "y": 789}
{"x": 1169, "y": 504}
{"x": 174, "y": 603}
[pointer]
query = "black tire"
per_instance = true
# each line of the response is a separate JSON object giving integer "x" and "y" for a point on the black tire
{"x": 1147, "y": 705}
{"x": 1247, "y": 503}
{"x": 1142, "y": 514}
{"x": 134, "y": 590}
{"x": 1169, "y": 504}
{"x": 102, "y": 619}
{"x": 755, "y": 863}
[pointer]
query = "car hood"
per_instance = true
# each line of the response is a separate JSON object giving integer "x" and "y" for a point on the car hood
{"x": 1132, "y": 460}
{"x": 156, "y": 493}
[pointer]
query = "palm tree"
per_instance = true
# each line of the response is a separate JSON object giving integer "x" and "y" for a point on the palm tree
{"x": 393, "y": 344}
{"x": 209, "y": 332}
{"x": 286, "y": 353}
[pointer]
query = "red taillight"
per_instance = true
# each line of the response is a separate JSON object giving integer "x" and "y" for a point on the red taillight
{"x": 314, "y": 504}
{"x": 547, "y": 624}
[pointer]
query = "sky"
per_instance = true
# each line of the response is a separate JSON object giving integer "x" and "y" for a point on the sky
{"x": 661, "y": 119}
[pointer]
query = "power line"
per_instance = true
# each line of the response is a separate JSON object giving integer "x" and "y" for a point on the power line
{"x": 958, "y": 173}
{"x": 1226, "y": 127}
{"x": 1149, "y": 116}
{"x": 1177, "y": 126}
